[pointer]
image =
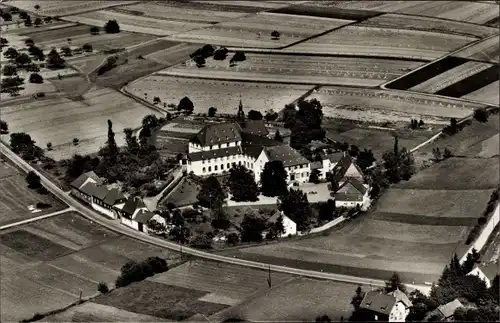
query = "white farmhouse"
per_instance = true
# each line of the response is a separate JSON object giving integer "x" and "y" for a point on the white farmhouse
{"x": 288, "y": 224}
{"x": 352, "y": 193}
{"x": 134, "y": 213}
{"x": 486, "y": 272}
{"x": 392, "y": 307}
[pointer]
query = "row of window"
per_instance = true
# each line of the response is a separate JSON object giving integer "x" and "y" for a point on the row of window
{"x": 219, "y": 159}
{"x": 228, "y": 166}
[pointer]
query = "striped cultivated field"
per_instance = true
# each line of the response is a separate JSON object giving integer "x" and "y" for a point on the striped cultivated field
{"x": 385, "y": 42}
{"x": 64, "y": 8}
{"x": 486, "y": 51}
{"x": 488, "y": 94}
{"x": 315, "y": 70}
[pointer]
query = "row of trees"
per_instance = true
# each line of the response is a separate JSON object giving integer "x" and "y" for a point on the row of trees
{"x": 201, "y": 54}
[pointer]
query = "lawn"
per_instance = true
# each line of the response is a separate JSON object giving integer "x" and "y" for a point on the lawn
{"x": 160, "y": 300}
{"x": 221, "y": 280}
{"x": 16, "y": 197}
{"x": 73, "y": 86}
{"x": 184, "y": 194}
{"x": 285, "y": 303}
{"x": 457, "y": 174}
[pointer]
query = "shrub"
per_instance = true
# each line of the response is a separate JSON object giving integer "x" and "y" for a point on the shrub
{"x": 102, "y": 288}
{"x": 112, "y": 27}
{"x": 134, "y": 272}
{"x": 36, "y": 78}
{"x": 94, "y": 30}
{"x": 473, "y": 234}
{"x": 87, "y": 48}
{"x": 41, "y": 205}
{"x": 481, "y": 115}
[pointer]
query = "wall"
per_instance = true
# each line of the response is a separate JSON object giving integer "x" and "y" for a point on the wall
{"x": 134, "y": 225}
{"x": 485, "y": 233}
{"x": 290, "y": 227}
{"x": 103, "y": 210}
{"x": 348, "y": 204}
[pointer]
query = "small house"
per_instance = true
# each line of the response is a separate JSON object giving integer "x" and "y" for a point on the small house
{"x": 134, "y": 213}
{"x": 81, "y": 181}
{"x": 486, "y": 272}
{"x": 392, "y": 307}
{"x": 351, "y": 193}
{"x": 289, "y": 225}
{"x": 104, "y": 200}
{"x": 445, "y": 312}
{"x": 347, "y": 168}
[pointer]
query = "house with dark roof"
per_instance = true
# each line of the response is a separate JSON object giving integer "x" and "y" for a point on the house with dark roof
{"x": 134, "y": 214}
{"x": 81, "y": 181}
{"x": 392, "y": 307}
{"x": 352, "y": 193}
{"x": 105, "y": 199}
{"x": 298, "y": 168}
{"x": 347, "y": 168}
{"x": 486, "y": 272}
{"x": 288, "y": 224}
{"x": 446, "y": 312}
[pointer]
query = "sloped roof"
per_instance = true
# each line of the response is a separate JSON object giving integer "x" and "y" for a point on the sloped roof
{"x": 89, "y": 189}
{"x": 218, "y": 134}
{"x": 273, "y": 218}
{"x": 449, "y": 308}
{"x": 113, "y": 196}
{"x": 489, "y": 270}
{"x": 335, "y": 157}
{"x": 143, "y": 216}
{"x": 101, "y": 192}
{"x": 343, "y": 165}
{"x": 352, "y": 186}
{"x": 401, "y": 297}
{"x": 77, "y": 183}
{"x": 254, "y": 127}
{"x": 316, "y": 165}
{"x": 215, "y": 153}
{"x": 252, "y": 144}
{"x": 378, "y": 302}
{"x": 285, "y": 154}
{"x": 133, "y": 204}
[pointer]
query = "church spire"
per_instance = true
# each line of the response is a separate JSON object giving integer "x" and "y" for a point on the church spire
{"x": 240, "y": 116}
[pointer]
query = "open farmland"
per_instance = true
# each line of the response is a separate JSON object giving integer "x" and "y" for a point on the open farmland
{"x": 486, "y": 50}
{"x": 377, "y": 105}
{"x": 488, "y": 94}
{"x": 383, "y": 42}
{"x": 391, "y": 20}
{"x": 27, "y": 90}
{"x": 179, "y": 11}
{"x": 255, "y": 30}
{"x": 380, "y": 6}
{"x": 173, "y": 55}
{"x": 262, "y": 5}
{"x": 63, "y": 8}
{"x": 45, "y": 264}
{"x": 87, "y": 64}
{"x": 129, "y": 22}
{"x": 17, "y": 197}
{"x": 450, "y": 77}
{"x": 314, "y": 70}
{"x": 285, "y": 303}
{"x": 224, "y": 95}
{"x": 60, "y": 120}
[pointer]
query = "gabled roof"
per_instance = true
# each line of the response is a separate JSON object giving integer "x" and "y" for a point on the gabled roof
{"x": 101, "y": 192}
{"x": 448, "y": 309}
{"x": 77, "y": 183}
{"x": 335, "y": 157}
{"x": 254, "y": 127}
{"x": 285, "y": 154}
{"x": 133, "y": 204}
{"x": 489, "y": 270}
{"x": 215, "y": 153}
{"x": 113, "y": 196}
{"x": 252, "y": 145}
{"x": 378, "y": 302}
{"x": 143, "y": 216}
{"x": 343, "y": 165}
{"x": 352, "y": 186}
{"x": 401, "y": 297}
{"x": 316, "y": 165}
{"x": 89, "y": 189}
{"x": 218, "y": 134}
{"x": 273, "y": 218}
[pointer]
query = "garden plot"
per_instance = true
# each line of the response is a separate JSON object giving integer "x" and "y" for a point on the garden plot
{"x": 487, "y": 50}
{"x": 60, "y": 120}
{"x": 63, "y": 8}
{"x": 450, "y": 77}
{"x": 223, "y": 95}
{"x": 129, "y": 22}
{"x": 255, "y": 30}
{"x": 468, "y": 11}
{"x": 27, "y": 90}
{"x": 376, "y": 105}
{"x": 314, "y": 70}
{"x": 17, "y": 197}
{"x": 489, "y": 94}
{"x": 392, "y": 20}
{"x": 179, "y": 12}
{"x": 385, "y": 42}
{"x": 59, "y": 33}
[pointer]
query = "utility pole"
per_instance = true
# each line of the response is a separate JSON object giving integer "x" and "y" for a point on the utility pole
{"x": 269, "y": 277}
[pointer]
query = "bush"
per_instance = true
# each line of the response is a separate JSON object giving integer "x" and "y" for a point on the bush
{"x": 112, "y": 27}
{"x": 87, "y": 48}
{"x": 41, "y": 205}
{"x": 473, "y": 234}
{"x": 482, "y": 220}
{"x": 481, "y": 115}
{"x": 94, "y": 30}
{"x": 134, "y": 272}
{"x": 33, "y": 180}
{"x": 102, "y": 288}
{"x": 36, "y": 78}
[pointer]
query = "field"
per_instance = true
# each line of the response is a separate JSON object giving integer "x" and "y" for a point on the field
{"x": 16, "y": 197}
{"x": 60, "y": 120}
{"x": 284, "y": 303}
{"x": 27, "y": 90}
{"x": 45, "y": 264}
{"x": 472, "y": 83}
{"x": 255, "y": 30}
{"x": 62, "y": 8}
{"x": 488, "y": 94}
{"x": 223, "y": 95}
{"x": 486, "y": 51}
{"x": 376, "y": 105}
{"x": 429, "y": 24}
{"x": 173, "y": 55}
{"x": 138, "y": 24}
{"x": 383, "y": 42}
{"x": 313, "y": 70}
{"x": 86, "y": 64}
{"x": 452, "y": 76}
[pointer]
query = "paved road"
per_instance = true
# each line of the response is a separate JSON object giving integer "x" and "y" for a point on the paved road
{"x": 45, "y": 216}
{"x": 112, "y": 225}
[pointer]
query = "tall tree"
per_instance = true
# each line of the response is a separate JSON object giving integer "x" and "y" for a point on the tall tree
{"x": 273, "y": 179}
{"x": 357, "y": 298}
{"x": 242, "y": 184}
{"x": 252, "y": 227}
{"x": 54, "y": 60}
{"x": 277, "y": 136}
{"x": 131, "y": 140}
{"x": 111, "y": 143}
{"x": 212, "y": 194}
{"x": 394, "y": 283}
{"x": 295, "y": 205}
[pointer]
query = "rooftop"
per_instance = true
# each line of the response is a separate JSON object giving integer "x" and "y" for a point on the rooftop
{"x": 218, "y": 134}
{"x": 254, "y": 127}
{"x": 77, "y": 183}
{"x": 378, "y": 302}
{"x": 215, "y": 153}
{"x": 489, "y": 270}
{"x": 285, "y": 154}
{"x": 132, "y": 204}
{"x": 448, "y": 309}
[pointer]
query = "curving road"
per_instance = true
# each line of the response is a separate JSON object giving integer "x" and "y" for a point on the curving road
{"x": 112, "y": 225}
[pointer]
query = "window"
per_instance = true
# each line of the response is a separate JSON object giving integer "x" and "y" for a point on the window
{"x": 203, "y": 170}
{"x": 222, "y": 167}
{"x": 209, "y": 168}
{"x": 203, "y": 161}
{"x": 239, "y": 163}
{"x": 215, "y": 168}
{"x": 251, "y": 165}
{"x": 211, "y": 147}
{"x": 228, "y": 165}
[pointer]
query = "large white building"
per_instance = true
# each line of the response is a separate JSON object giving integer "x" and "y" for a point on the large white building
{"x": 219, "y": 147}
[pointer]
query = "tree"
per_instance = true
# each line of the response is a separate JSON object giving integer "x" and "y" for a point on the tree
{"x": 94, "y": 30}
{"x": 220, "y": 54}
{"x": 4, "y": 127}
{"x": 295, "y": 205}
{"x": 11, "y": 53}
{"x": 277, "y": 136}
{"x": 239, "y": 56}
{"x": 37, "y": 53}
{"x": 185, "y": 104}
{"x": 28, "y": 22}
{"x": 9, "y": 70}
{"x": 200, "y": 61}
{"x": 150, "y": 121}
{"x": 437, "y": 154}
{"x": 273, "y": 179}
{"x": 254, "y": 115}
{"x": 399, "y": 164}
{"x": 211, "y": 112}
{"x": 33, "y": 180}
{"x": 37, "y": 7}
{"x": 12, "y": 84}
{"x": 23, "y": 15}
{"x": 87, "y": 48}
{"x": 202, "y": 241}
{"x": 54, "y": 60}
{"x": 365, "y": 159}
{"x": 38, "y": 21}
{"x": 131, "y": 140}
{"x": 111, "y": 143}
{"x": 394, "y": 283}
{"x": 66, "y": 51}
{"x": 323, "y": 318}
{"x": 49, "y": 146}
{"x": 472, "y": 258}
{"x": 112, "y": 27}
{"x": 447, "y": 153}
{"x": 452, "y": 128}
{"x": 252, "y": 227}
{"x": 22, "y": 144}
{"x": 205, "y": 52}
{"x": 275, "y": 34}
{"x": 76, "y": 141}
{"x": 314, "y": 176}
{"x": 220, "y": 219}
{"x": 36, "y": 78}
{"x": 29, "y": 42}
{"x": 271, "y": 115}
{"x": 22, "y": 60}
{"x": 242, "y": 184}
{"x": 326, "y": 210}
{"x": 177, "y": 219}
{"x": 47, "y": 19}
{"x": 233, "y": 239}
{"x": 6, "y": 16}
{"x": 102, "y": 288}
{"x": 481, "y": 115}
{"x": 357, "y": 298}
{"x": 180, "y": 234}
{"x": 3, "y": 42}
{"x": 420, "y": 123}
{"x": 211, "y": 194}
